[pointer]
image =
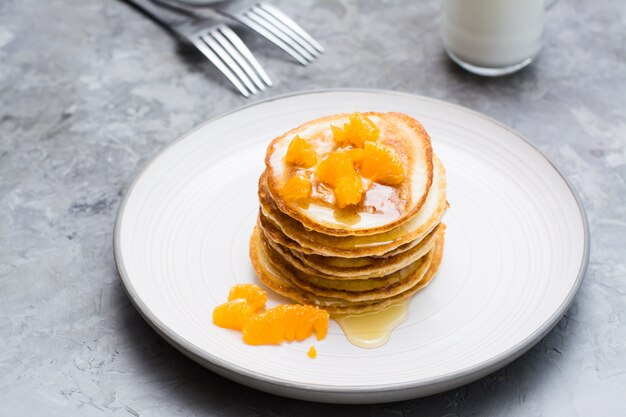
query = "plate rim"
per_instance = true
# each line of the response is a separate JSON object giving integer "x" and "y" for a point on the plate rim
{"x": 229, "y": 369}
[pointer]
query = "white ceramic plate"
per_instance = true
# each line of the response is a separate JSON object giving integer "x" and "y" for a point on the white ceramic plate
{"x": 515, "y": 253}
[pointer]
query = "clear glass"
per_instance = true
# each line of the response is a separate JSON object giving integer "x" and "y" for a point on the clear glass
{"x": 493, "y": 37}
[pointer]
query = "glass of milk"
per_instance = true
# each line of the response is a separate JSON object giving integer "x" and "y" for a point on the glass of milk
{"x": 493, "y": 37}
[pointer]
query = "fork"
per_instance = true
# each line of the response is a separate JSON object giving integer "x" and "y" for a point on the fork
{"x": 268, "y": 21}
{"x": 216, "y": 41}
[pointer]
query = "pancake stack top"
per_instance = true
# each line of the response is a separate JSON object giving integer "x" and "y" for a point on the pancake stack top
{"x": 350, "y": 212}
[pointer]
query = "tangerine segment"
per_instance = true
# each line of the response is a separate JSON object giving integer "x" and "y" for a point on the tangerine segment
{"x": 266, "y": 328}
{"x": 381, "y": 164}
{"x": 297, "y": 189}
{"x": 232, "y": 315}
{"x": 251, "y": 293}
{"x": 286, "y": 322}
{"x": 355, "y": 155}
{"x": 363, "y": 128}
{"x": 356, "y": 132}
{"x": 336, "y": 165}
{"x": 338, "y": 134}
{"x": 348, "y": 191}
{"x": 301, "y": 153}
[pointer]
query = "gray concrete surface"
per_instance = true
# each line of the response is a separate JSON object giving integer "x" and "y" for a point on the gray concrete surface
{"x": 91, "y": 90}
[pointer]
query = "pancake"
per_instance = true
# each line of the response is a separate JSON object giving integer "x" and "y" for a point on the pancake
{"x": 355, "y": 231}
{"x": 335, "y": 268}
{"x": 275, "y": 234}
{"x": 278, "y": 225}
{"x": 383, "y": 207}
{"x": 276, "y": 280}
{"x": 294, "y": 276}
{"x": 354, "y": 290}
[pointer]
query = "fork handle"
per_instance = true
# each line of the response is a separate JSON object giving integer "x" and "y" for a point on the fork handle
{"x": 201, "y": 3}
{"x": 165, "y": 17}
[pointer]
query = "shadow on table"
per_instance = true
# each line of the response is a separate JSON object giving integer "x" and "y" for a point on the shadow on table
{"x": 493, "y": 93}
{"x": 184, "y": 385}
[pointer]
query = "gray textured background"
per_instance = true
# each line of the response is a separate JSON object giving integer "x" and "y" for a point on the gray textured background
{"x": 91, "y": 90}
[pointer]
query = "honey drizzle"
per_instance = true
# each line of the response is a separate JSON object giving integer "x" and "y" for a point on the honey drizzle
{"x": 372, "y": 330}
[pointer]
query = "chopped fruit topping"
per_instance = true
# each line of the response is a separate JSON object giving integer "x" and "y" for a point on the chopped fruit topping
{"x": 297, "y": 189}
{"x": 363, "y": 128}
{"x": 348, "y": 191}
{"x": 356, "y": 132}
{"x": 338, "y": 134}
{"x": 301, "y": 153}
{"x": 336, "y": 165}
{"x": 312, "y": 353}
{"x": 357, "y": 160}
{"x": 355, "y": 154}
{"x": 232, "y": 315}
{"x": 243, "y": 300}
{"x": 337, "y": 170}
{"x": 252, "y": 294}
{"x": 381, "y": 164}
{"x": 286, "y": 322}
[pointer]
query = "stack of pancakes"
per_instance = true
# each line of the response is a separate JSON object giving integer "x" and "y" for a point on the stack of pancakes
{"x": 363, "y": 258}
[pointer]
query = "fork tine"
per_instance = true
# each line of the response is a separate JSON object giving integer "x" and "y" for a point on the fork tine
{"x": 243, "y": 49}
{"x": 280, "y": 34}
{"x": 270, "y": 37}
{"x": 234, "y": 53}
{"x": 215, "y": 60}
{"x": 278, "y": 14}
{"x": 228, "y": 60}
{"x": 277, "y": 37}
{"x": 286, "y": 29}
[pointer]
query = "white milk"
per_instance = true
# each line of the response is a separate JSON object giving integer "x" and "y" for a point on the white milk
{"x": 498, "y": 35}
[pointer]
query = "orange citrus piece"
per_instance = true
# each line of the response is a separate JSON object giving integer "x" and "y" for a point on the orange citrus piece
{"x": 266, "y": 329}
{"x": 252, "y": 294}
{"x": 285, "y": 322}
{"x": 355, "y": 155}
{"x": 297, "y": 189}
{"x": 381, "y": 164}
{"x": 338, "y": 134}
{"x": 363, "y": 128}
{"x": 312, "y": 353}
{"x": 232, "y": 315}
{"x": 348, "y": 191}
{"x": 336, "y": 165}
{"x": 356, "y": 132}
{"x": 301, "y": 153}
